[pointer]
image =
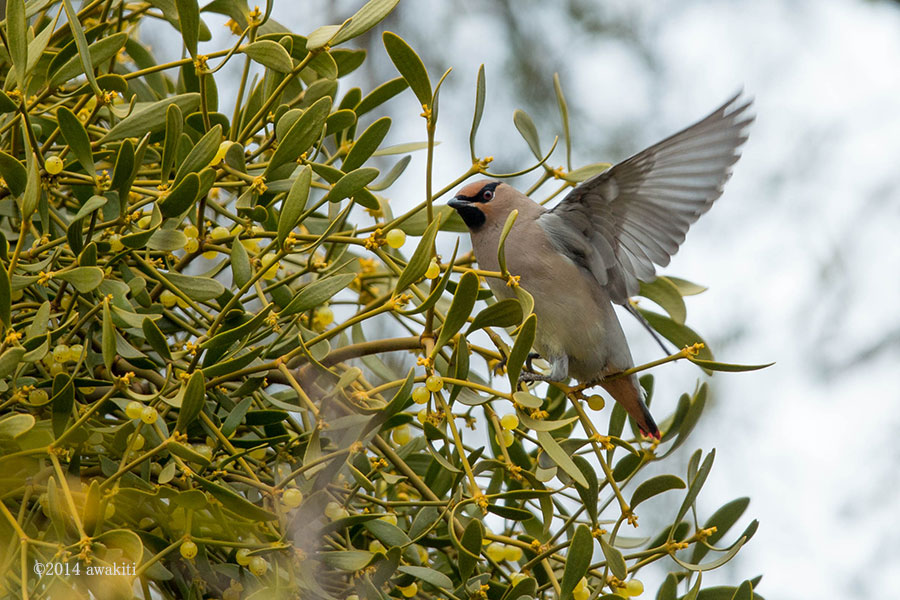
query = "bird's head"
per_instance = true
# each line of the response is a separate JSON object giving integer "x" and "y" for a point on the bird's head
{"x": 484, "y": 201}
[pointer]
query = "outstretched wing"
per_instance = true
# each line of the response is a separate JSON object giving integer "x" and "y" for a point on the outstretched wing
{"x": 619, "y": 223}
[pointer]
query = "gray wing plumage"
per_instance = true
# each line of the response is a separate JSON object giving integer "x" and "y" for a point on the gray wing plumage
{"x": 618, "y": 224}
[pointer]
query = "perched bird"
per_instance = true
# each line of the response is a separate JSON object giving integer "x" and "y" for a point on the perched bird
{"x": 605, "y": 236}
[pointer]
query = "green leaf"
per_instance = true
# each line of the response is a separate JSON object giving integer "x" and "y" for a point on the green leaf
{"x": 181, "y": 197}
{"x": 9, "y": 360}
{"x": 680, "y": 335}
{"x": 527, "y": 400}
{"x": 614, "y": 559}
{"x": 108, "y": 338}
{"x": 729, "y": 367}
{"x": 189, "y": 19}
{"x": 236, "y": 503}
{"x": 371, "y": 13}
{"x": 723, "y": 520}
{"x": 192, "y": 403}
{"x": 270, "y": 54}
{"x": 685, "y": 287}
{"x": 542, "y": 424}
{"x": 586, "y": 172}
{"x": 166, "y": 240}
{"x": 87, "y": 59}
{"x": 388, "y": 534}
{"x": 470, "y": 548}
{"x": 435, "y": 578}
{"x": 155, "y": 338}
{"x": 151, "y": 118}
{"x": 302, "y": 134}
{"x": 17, "y": 37}
{"x": 366, "y": 144}
{"x": 317, "y": 292}
{"x": 236, "y": 416}
{"x": 5, "y": 301}
{"x": 174, "y": 128}
{"x": 223, "y": 339}
{"x": 409, "y": 65}
{"x": 654, "y": 486}
{"x": 83, "y": 279}
{"x": 521, "y": 348}
{"x": 509, "y": 512}
{"x": 294, "y": 204}
{"x": 125, "y": 540}
{"x": 380, "y": 95}
{"x": 14, "y": 425}
{"x": 32, "y": 193}
{"x": 62, "y": 402}
{"x": 578, "y": 559}
{"x": 92, "y": 204}
{"x": 347, "y": 560}
{"x": 560, "y": 457}
{"x": 480, "y": 91}
{"x": 202, "y": 154}
{"x": 240, "y": 263}
{"x": 339, "y": 120}
{"x": 505, "y": 313}
{"x": 696, "y": 484}
{"x": 669, "y": 589}
{"x": 392, "y": 175}
{"x": 460, "y": 309}
{"x": 528, "y": 131}
{"x": 589, "y": 495}
{"x": 351, "y": 183}
{"x": 195, "y": 287}
{"x": 744, "y": 591}
{"x": 564, "y": 117}
{"x": 421, "y": 258}
{"x": 663, "y": 292}
{"x": 13, "y": 173}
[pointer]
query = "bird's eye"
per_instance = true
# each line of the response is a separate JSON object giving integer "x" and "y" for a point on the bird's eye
{"x": 487, "y": 195}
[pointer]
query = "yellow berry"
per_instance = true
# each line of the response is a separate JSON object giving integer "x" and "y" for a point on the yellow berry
{"x": 582, "y": 594}
{"x": 209, "y": 254}
{"x": 146, "y": 523}
{"x": 38, "y": 396}
{"x": 138, "y": 442}
{"x": 422, "y": 416}
{"x": 54, "y": 165}
{"x": 219, "y": 233}
{"x": 335, "y": 511}
{"x": 191, "y": 245}
{"x": 505, "y": 438}
{"x": 292, "y": 497}
{"x": 515, "y": 578}
{"x": 510, "y": 421}
{"x": 410, "y": 590}
{"x": 56, "y": 368}
{"x": 423, "y": 554}
{"x": 377, "y": 546}
{"x": 168, "y": 299}
{"x": 389, "y": 518}
{"x": 149, "y": 415}
{"x": 61, "y": 353}
{"x": 582, "y": 584}
{"x": 269, "y": 266}
{"x": 258, "y": 566}
{"x": 434, "y": 269}
{"x": 401, "y": 435}
{"x": 632, "y": 588}
{"x": 191, "y": 230}
{"x": 144, "y": 221}
{"x": 109, "y": 511}
{"x": 496, "y": 551}
{"x": 421, "y": 395}
{"x": 512, "y": 553}
{"x": 434, "y": 383}
{"x": 115, "y": 243}
{"x": 243, "y": 556}
{"x": 220, "y": 153}
{"x": 258, "y": 454}
{"x": 188, "y": 549}
{"x": 323, "y": 318}
{"x": 203, "y": 450}
{"x": 395, "y": 238}
{"x": 75, "y": 351}
{"x": 596, "y": 402}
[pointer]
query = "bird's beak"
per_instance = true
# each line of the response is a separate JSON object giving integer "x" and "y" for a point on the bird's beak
{"x": 457, "y": 202}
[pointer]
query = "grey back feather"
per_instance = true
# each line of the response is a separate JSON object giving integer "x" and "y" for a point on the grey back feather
{"x": 618, "y": 224}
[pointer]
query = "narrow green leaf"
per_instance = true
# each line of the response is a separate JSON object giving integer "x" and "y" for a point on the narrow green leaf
{"x": 501, "y": 245}
{"x": 470, "y": 548}
{"x": 589, "y": 495}
{"x": 189, "y": 19}
{"x": 351, "y": 183}
{"x": 13, "y": 173}
{"x": 744, "y": 591}
{"x": 680, "y": 335}
{"x": 108, "y": 338}
{"x": 62, "y": 402}
{"x": 388, "y": 534}
{"x": 527, "y": 400}
{"x": 521, "y": 348}
{"x": 728, "y": 367}
{"x": 155, "y": 338}
{"x": 380, "y": 95}
{"x": 460, "y": 309}
{"x": 226, "y": 338}
{"x": 669, "y": 589}
{"x": 505, "y": 313}
{"x": 192, "y": 402}
{"x": 367, "y": 17}
{"x": 317, "y": 292}
{"x": 409, "y": 65}
{"x": 269, "y": 54}
{"x": 29, "y": 200}
{"x": 151, "y": 118}
{"x": 302, "y": 134}
{"x": 88, "y": 59}
{"x": 528, "y": 131}
{"x": 349, "y": 561}
{"x": 723, "y": 520}
{"x": 696, "y": 484}
{"x": 321, "y": 36}
{"x": 17, "y": 37}
{"x": 181, "y": 197}
{"x": 392, "y": 175}
{"x": 687, "y": 288}
{"x": 240, "y": 263}
{"x": 578, "y": 559}
{"x": 366, "y": 144}
{"x": 614, "y": 559}
{"x": 202, "y": 154}
{"x": 92, "y": 204}
{"x": 435, "y": 578}
{"x": 663, "y": 292}
{"x": 174, "y": 128}
{"x": 237, "y": 504}
{"x": 480, "y": 91}
{"x": 9, "y": 360}
{"x": 5, "y": 301}
{"x": 654, "y": 486}
{"x": 294, "y": 204}
{"x": 421, "y": 258}
{"x": 560, "y": 457}
{"x": 83, "y": 279}
{"x": 586, "y": 172}
{"x": 544, "y": 425}
{"x": 695, "y": 589}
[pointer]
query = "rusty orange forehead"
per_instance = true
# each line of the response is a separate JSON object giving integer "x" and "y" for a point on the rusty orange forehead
{"x": 471, "y": 190}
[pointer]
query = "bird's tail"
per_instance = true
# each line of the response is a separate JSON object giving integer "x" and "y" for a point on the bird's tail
{"x": 627, "y": 392}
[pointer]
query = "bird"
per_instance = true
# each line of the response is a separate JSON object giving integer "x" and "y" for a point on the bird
{"x": 593, "y": 248}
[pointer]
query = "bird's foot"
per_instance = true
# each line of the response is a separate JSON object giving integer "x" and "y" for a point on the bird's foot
{"x": 500, "y": 366}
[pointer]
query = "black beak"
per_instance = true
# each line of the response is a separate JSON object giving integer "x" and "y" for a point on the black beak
{"x": 457, "y": 202}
